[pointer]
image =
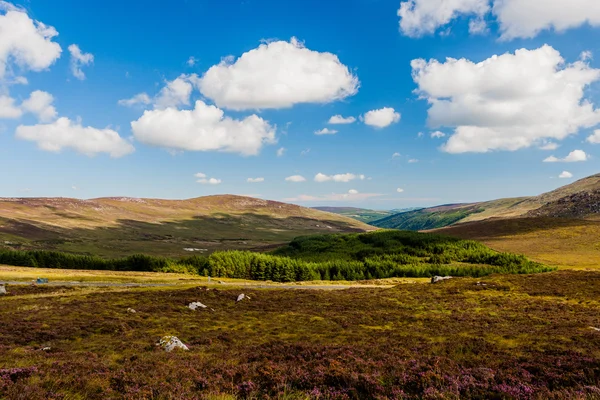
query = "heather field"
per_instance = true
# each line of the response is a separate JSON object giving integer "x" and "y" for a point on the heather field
{"x": 497, "y": 337}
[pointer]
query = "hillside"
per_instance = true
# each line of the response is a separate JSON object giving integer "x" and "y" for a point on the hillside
{"x": 580, "y": 199}
{"x": 359, "y": 214}
{"x": 123, "y": 226}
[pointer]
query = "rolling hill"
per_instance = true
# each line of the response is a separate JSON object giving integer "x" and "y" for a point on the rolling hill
{"x": 360, "y": 214}
{"x": 580, "y": 200}
{"x": 120, "y": 226}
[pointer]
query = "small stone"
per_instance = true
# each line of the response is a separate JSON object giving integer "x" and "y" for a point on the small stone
{"x": 240, "y": 297}
{"x": 3, "y": 290}
{"x": 195, "y": 305}
{"x": 46, "y": 349}
{"x": 437, "y": 279}
{"x": 596, "y": 329}
{"x": 170, "y": 343}
{"x": 131, "y": 311}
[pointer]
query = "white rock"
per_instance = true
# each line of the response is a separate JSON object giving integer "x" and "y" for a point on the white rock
{"x": 170, "y": 343}
{"x": 131, "y": 311}
{"x": 195, "y": 305}
{"x": 596, "y": 329}
{"x": 241, "y": 297}
{"x": 3, "y": 289}
{"x": 437, "y": 279}
{"x": 46, "y": 349}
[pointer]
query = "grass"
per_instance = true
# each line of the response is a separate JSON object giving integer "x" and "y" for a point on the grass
{"x": 499, "y": 337}
{"x": 566, "y": 243}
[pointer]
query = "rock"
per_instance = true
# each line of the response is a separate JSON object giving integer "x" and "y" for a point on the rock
{"x": 220, "y": 282}
{"x": 170, "y": 343}
{"x": 240, "y": 297}
{"x": 46, "y": 348}
{"x": 3, "y": 290}
{"x": 195, "y": 305}
{"x": 596, "y": 329}
{"x": 437, "y": 279}
{"x": 131, "y": 311}
{"x": 41, "y": 280}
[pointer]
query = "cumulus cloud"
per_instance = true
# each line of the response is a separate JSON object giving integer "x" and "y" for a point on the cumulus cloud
{"x": 400, "y": 190}
{"x": 40, "y": 104}
{"x": 78, "y": 60}
{"x": 278, "y": 74}
{"x": 396, "y": 155}
{"x": 507, "y": 102}
{"x": 338, "y": 177}
{"x": 281, "y": 151}
{"x": 381, "y": 118}
{"x": 205, "y": 128}
{"x": 255, "y": 180}
{"x": 25, "y": 42}
{"x": 516, "y": 18}
{"x": 549, "y": 146}
{"x": 423, "y": 17}
{"x": 565, "y": 175}
{"x": 8, "y": 109}
{"x": 64, "y": 133}
{"x": 574, "y": 156}
{"x": 295, "y": 178}
{"x": 326, "y": 131}
{"x": 438, "y": 134}
{"x": 352, "y": 191}
{"x": 191, "y": 61}
{"x": 339, "y": 120}
{"x": 413, "y": 160}
{"x": 205, "y": 180}
{"x": 140, "y": 98}
{"x": 594, "y": 138}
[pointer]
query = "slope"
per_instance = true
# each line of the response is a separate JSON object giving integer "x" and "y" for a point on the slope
{"x": 123, "y": 226}
{"x": 360, "y": 214}
{"x": 580, "y": 199}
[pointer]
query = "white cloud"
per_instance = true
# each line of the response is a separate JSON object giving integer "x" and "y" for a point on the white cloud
{"x": 526, "y": 18}
{"x": 507, "y": 102}
{"x": 516, "y": 18}
{"x": 78, "y": 60}
{"x": 422, "y": 17}
{"x": 396, "y": 155}
{"x": 64, "y": 133}
{"x": 25, "y": 42}
{"x": 326, "y": 131}
{"x": 438, "y": 134}
{"x": 334, "y": 197}
{"x": 211, "y": 181}
{"x": 278, "y": 75}
{"x": 191, "y": 61}
{"x": 281, "y": 151}
{"x": 295, "y": 178}
{"x": 565, "y": 175}
{"x": 40, "y": 104}
{"x": 205, "y": 128}
{"x": 140, "y": 98}
{"x": 176, "y": 92}
{"x": 413, "y": 160}
{"x": 381, "y": 118}
{"x": 594, "y": 138}
{"x": 549, "y": 146}
{"x": 352, "y": 191}
{"x": 200, "y": 175}
{"x": 338, "y": 177}
{"x": 574, "y": 156}
{"x": 339, "y": 120}
{"x": 305, "y": 152}
{"x": 400, "y": 190}
{"x": 255, "y": 180}
{"x": 420, "y": 134}
{"x": 8, "y": 109}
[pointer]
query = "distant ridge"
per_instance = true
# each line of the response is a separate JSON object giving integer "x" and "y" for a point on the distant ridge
{"x": 115, "y": 226}
{"x": 580, "y": 199}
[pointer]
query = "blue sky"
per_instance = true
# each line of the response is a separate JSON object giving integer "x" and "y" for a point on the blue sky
{"x": 261, "y": 90}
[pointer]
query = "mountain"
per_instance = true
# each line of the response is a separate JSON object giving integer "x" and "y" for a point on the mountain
{"x": 360, "y": 214}
{"x": 120, "y": 226}
{"x": 580, "y": 199}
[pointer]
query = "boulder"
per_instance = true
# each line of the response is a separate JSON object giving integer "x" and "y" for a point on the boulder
{"x": 170, "y": 343}
{"x": 196, "y": 305}
{"x": 3, "y": 290}
{"x": 240, "y": 297}
{"x": 437, "y": 279}
{"x": 131, "y": 311}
